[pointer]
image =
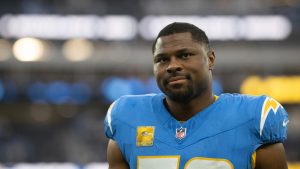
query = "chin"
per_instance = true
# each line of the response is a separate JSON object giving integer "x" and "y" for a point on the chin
{"x": 185, "y": 96}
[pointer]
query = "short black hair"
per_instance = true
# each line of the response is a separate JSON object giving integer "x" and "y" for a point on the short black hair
{"x": 181, "y": 27}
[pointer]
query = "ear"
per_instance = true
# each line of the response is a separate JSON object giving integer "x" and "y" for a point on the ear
{"x": 211, "y": 59}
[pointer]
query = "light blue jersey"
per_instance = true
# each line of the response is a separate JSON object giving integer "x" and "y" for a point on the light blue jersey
{"x": 222, "y": 136}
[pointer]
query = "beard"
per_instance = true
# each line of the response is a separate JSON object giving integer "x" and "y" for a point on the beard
{"x": 186, "y": 93}
{"x": 181, "y": 96}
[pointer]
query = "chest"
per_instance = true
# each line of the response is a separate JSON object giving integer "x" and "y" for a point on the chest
{"x": 200, "y": 145}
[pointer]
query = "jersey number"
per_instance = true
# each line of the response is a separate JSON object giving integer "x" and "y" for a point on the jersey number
{"x": 172, "y": 162}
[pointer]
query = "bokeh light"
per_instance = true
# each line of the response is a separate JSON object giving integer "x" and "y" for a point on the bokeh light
{"x": 2, "y": 91}
{"x": 29, "y": 49}
{"x": 78, "y": 50}
{"x": 58, "y": 92}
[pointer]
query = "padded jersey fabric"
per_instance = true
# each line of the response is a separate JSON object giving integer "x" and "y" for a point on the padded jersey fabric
{"x": 225, "y": 134}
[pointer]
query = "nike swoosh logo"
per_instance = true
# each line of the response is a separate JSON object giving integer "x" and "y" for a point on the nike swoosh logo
{"x": 285, "y": 123}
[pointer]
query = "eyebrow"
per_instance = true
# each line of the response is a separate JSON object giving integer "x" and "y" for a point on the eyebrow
{"x": 176, "y": 52}
{"x": 183, "y": 50}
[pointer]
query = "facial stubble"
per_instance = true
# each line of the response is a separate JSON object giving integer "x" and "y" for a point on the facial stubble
{"x": 189, "y": 91}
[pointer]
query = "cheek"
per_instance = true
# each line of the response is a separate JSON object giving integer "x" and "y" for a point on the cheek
{"x": 158, "y": 74}
{"x": 157, "y": 71}
{"x": 198, "y": 74}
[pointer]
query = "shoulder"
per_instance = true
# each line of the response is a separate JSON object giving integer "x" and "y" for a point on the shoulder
{"x": 243, "y": 97}
{"x": 239, "y": 108}
{"x": 135, "y": 100}
{"x": 126, "y": 102}
{"x": 248, "y": 103}
{"x": 124, "y": 110}
{"x": 268, "y": 115}
{"x": 272, "y": 120}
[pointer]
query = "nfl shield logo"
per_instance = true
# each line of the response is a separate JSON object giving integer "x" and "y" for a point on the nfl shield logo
{"x": 180, "y": 133}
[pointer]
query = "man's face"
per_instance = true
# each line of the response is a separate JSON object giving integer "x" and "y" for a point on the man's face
{"x": 182, "y": 66}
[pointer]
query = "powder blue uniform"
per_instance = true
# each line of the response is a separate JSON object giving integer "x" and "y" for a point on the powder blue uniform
{"x": 224, "y": 135}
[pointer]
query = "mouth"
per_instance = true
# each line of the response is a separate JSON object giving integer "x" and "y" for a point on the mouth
{"x": 176, "y": 80}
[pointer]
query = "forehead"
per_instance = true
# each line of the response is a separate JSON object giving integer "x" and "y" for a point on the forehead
{"x": 176, "y": 42}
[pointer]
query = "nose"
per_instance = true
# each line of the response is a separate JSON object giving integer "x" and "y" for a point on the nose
{"x": 174, "y": 66}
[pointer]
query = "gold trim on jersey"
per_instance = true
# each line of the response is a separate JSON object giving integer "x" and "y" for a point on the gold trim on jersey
{"x": 253, "y": 160}
{"x": 229, "y": 164}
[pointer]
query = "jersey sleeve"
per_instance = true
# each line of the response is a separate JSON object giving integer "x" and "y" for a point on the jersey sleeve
{"x": 111, "y": 120}
{"x": 272, "y": 121}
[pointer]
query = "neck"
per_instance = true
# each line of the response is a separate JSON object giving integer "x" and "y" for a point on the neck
{"x": 184, "y": 111}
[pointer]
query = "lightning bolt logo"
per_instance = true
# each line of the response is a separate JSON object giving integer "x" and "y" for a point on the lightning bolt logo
{"x": 269, "y": 104}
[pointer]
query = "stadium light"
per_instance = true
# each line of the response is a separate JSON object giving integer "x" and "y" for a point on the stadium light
{"x": 58, "y": 27}
{"x": 2, "y": 90}
{"x": 29, "y": 49}
{"x": 119, "y": 28}
{"x": 125, "y": 27}
{"x": 78, "y": 50}
{"x": 229, "y": 27}
{"x": 266, "y": 27}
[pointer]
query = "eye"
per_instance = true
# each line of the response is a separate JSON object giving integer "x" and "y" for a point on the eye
{"x": 185, "y": 55}
{"x": 161, "y": 60}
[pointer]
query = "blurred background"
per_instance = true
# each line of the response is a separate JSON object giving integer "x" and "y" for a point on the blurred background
{"x": 62, "y": 62}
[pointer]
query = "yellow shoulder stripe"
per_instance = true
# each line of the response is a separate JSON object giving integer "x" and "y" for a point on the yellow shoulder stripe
{"x": 253, "y": 159}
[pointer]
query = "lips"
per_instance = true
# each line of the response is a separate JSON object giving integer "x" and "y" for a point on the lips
{"x": 176, "y": 79}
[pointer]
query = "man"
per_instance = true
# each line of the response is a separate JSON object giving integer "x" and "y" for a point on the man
{"x": 187, "y": 127}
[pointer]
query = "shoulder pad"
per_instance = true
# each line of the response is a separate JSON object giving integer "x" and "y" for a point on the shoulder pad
{"x": 273, "y": 120}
